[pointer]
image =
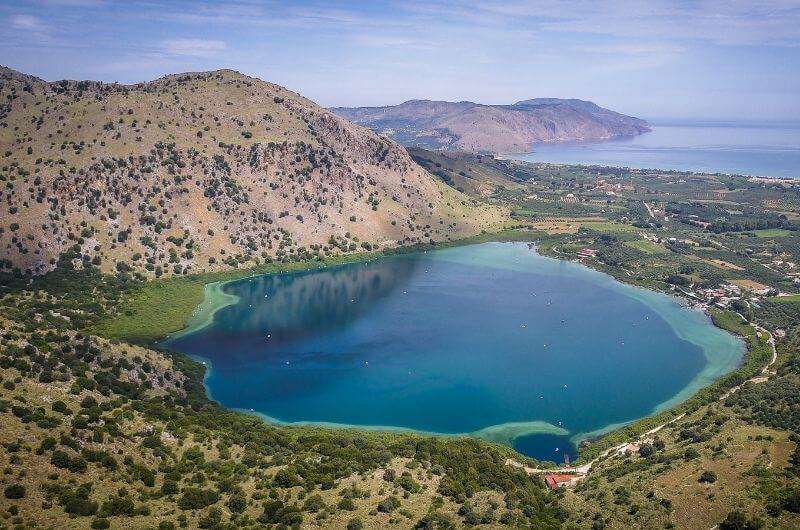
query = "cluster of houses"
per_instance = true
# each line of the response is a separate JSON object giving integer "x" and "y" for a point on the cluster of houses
{"x": 721, "y": 296}
{"x": 612, "y": 188}
{"x": 555, "y": 480}
{"x": 727, "y": 293}
{"x": 669, "y": 240}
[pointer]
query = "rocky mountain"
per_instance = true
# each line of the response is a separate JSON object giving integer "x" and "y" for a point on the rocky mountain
{"x": 199, "y": 171}
{"x": 494, "y": 128}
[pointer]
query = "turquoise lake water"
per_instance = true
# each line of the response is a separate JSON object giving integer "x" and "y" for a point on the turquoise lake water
{"x": 492, "y": 340}
{"x": 764, "y": 149}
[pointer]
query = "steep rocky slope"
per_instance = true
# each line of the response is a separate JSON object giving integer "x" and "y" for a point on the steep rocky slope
{"x": 494, "y": 128}
{"x": 476, "y": 174}
{"x": 199, "y": 171}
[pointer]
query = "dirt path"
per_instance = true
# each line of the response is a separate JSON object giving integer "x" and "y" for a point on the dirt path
{"x": 585, "y": 468}
{"x": 765, "y": 372}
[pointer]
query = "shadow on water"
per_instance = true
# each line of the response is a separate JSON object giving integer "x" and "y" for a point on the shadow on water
{"x": 288, "y": 308}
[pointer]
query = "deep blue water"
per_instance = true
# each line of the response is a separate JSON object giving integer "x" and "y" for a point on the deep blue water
{"x": 765, "y": 150}
{"x": 491, "y": 338}
{"x": 546, "y": 447}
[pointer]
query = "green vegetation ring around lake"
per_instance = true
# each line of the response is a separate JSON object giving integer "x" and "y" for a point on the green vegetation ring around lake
{"x": 176, "y": 301}
{"x": 718, "y": 360}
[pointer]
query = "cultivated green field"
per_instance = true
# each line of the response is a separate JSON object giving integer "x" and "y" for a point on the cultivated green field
{"x": 648, "y": 247}
{"x": 773, "y": 232}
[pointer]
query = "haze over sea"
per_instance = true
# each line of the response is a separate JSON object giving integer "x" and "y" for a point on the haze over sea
{"x": 765, "y": 149}
{"x": 492, "y": 340}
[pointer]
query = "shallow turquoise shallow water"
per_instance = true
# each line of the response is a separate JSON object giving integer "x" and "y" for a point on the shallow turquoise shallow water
{"x": 490, "y": 339}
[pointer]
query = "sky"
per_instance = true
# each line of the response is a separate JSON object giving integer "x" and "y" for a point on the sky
{"x": 654, "y": 59}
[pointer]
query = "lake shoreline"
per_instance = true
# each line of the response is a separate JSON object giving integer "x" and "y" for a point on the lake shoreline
{"x": 219, "y": 299}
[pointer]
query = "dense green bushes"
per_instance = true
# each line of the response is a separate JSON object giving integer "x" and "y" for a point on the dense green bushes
{"x": 778, "y": 313}
{"x": 14, "y": 491}
{"x": 196, "y": 498}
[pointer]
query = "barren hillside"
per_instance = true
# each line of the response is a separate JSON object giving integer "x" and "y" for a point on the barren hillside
{"x": 494, "y": 128}
{"x": 200, "y": 171}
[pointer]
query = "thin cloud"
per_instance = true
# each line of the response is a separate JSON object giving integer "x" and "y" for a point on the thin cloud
{"x": 722, "y": 22}
{"x": 373, "y": 52}
{"x": 633, "y": 49}
{"x": 719, "y": 22}
{"x": 376, "y": 40}
{"x": 202, "y": 48}
{"x": 27, "y": 22}
{"x": 73, "y": 3}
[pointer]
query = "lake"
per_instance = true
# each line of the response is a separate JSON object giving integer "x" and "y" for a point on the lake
{"x": 766, "y": 150}
{"x": 492, "y": 340}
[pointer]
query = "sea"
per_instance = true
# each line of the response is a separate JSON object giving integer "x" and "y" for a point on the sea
{"x": 770, "y": 149}
{"x": 490, "y": 340}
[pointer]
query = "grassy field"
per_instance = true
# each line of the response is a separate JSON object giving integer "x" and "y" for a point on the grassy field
{"x": 773, "y": 232}
{"x": 160, "y": 307}
{"x": 648, "y": 247}
{"x": 608, "y": 226}
{"x": 665, "y": 491}
{"x": 789, "y": 298}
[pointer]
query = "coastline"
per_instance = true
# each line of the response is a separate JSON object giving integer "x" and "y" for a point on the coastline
{"x": 214, "y": 299}
{"x": 684, "y": 146}
{"x": 719, "y": 362}
{"x": 502, "y": 434}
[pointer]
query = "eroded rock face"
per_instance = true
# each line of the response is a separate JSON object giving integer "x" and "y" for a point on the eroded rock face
{"x": 494, "y": 128}
{"x": 200, "y": 171}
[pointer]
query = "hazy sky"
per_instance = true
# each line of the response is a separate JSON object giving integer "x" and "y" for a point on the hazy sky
{"x": 715, "y": 59}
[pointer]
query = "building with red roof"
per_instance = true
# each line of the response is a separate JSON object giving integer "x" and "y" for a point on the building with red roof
{"x": 557, "y": 480}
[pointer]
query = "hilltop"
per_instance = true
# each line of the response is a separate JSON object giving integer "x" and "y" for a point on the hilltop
{"x": 201, "y": 171}
{"x": 494, "y": 128}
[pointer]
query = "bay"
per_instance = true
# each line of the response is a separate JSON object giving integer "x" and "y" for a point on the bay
{"x": 767, "y": 149}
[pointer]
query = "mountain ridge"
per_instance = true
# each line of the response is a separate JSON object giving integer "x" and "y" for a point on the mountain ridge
{"x": 486, "y": 128}
{"x": 200, "y": 171}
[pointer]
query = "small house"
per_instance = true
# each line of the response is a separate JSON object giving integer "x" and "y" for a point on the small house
{"x": 559, "y": 480}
